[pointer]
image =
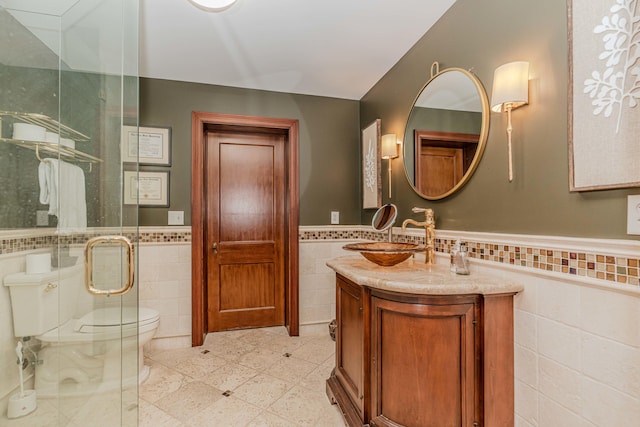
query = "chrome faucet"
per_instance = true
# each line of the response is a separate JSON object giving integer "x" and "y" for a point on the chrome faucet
{"x": 429, "y": 225}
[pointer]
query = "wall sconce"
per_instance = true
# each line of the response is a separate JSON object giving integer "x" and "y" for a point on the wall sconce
{"x": 510, "y": 90}
{"x": 213, "y": 5}
{"x": 389, "y": 151}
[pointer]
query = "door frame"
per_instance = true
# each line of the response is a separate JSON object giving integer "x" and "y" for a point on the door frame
{"x": 199, "y": 121}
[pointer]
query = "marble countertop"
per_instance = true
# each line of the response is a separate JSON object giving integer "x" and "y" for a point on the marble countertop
{"x": 416, "y": 277}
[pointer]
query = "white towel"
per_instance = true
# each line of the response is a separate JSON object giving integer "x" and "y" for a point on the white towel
{"x": 49, "y": 185}
{"x": 62, "y": 187}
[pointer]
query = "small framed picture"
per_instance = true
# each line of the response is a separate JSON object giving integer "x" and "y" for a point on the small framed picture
{"x": 146, "y": 145}
{"x": 146, "y": 188}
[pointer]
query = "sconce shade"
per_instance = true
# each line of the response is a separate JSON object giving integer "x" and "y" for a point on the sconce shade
{"x": 213, "y": 5}
{"x": 510, "y": 86}
{"x": 389, "y": 146}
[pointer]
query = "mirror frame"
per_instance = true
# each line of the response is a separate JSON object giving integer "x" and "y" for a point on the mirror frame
{"x": 391, "y": 214}
{"x": 482, "y": 140}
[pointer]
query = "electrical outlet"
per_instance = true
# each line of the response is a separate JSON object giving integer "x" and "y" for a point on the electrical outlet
{"x": 633, "y": 214}
{"x": 335, "y": 217}
{"x": 175, "y": 218}
{"x": 42, "y": 218}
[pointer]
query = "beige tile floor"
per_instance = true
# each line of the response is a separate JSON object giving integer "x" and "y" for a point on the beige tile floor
{"x": 254, "y": 377}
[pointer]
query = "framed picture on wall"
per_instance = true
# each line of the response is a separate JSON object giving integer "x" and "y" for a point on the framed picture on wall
{"x": 146, "y": 188}
{"x": 371, "y": 167}
{"x": 604, "y": 94}
{"x": 146, "y": 145}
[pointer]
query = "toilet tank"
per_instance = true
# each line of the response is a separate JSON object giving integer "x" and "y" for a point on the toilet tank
{"x": 41, "y": 302}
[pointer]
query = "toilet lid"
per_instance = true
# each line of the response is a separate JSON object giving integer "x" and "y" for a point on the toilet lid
{"x": 108, "y": 317}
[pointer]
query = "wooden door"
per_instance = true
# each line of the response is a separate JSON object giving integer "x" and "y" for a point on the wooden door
{"x": 245, "y": 189}
{"x": 440, "y": 169}
{"x": 424, "y": 364}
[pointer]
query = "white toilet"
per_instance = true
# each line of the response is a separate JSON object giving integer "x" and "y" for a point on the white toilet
{"x": 82, "y": 347}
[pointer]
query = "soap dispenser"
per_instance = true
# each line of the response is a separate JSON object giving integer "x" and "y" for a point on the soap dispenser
{"x": 459, "y": 259}
{"x": 455, "y": 250}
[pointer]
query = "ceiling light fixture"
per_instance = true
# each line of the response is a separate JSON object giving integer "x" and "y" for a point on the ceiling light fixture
{"x": 213, "y": 5}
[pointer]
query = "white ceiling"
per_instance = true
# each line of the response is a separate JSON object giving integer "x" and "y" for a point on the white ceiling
{"x": 335, "y": 48}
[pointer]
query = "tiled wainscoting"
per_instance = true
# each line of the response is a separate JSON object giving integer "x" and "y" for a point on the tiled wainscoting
{"x": 165, "y": 285}
{"x": 577, "y": 323}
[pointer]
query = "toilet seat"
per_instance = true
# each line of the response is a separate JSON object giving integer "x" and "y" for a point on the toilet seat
{"x": 104, "y": 324}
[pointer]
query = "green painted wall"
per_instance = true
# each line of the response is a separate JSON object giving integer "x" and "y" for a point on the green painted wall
{"x": 329, "y": 135}
{"x": 482, "y": 35}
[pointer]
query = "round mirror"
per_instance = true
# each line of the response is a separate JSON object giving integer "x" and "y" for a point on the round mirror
{"x": 385, "y": 217}
{"x": 446, "y": 133}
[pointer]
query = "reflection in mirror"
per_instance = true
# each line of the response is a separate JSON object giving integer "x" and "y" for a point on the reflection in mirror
{"x": 92, "y": 101}
{"x": 384, "y": 218}
{"x": 446, "y": 132}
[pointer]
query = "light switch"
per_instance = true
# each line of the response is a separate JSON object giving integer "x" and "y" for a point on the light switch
{"x": 335, "y": 217}
{"x": 176, "y": 218}
{"x": 42, "y": 218}
{"x": 633, "y": 214}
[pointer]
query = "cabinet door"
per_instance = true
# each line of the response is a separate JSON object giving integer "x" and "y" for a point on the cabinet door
{"x": 423, "y": 367}
{"x": 350, "y": 341}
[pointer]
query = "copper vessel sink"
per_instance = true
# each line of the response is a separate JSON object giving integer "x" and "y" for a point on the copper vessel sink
{"x": 385, "y": 254}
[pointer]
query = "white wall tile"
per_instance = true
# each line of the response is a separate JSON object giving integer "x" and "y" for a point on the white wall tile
{"x": 525, "y": 329}
{"x": 306, "y": 261}
{"x": 320, "y": 249}
{"x": 611, "y": 363}
{"x": 527, "y": 300}
{"x": 559, "y": 342}
{"x": 605, "y": 406}
{"x": 526, "y": 365}
{"x": 165, "y": 285}
{"x": 311, "y": 297}
{"x": 611, "y": 315}
{"x": 561, "y": 384}
{"x": 321, "y": 266}
{"x": 553, "y": 414}
{"x": 559, "y": 301}
{"x": 526, "y": 403}
{"x": 318, "y": 281}
{"x": 184, "y": 306}
{"x": 316, "y": 314}
{"x": 520, "y": 422}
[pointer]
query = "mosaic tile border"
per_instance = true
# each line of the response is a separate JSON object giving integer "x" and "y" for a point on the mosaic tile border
{"x": 623, "y": 270}
{"x": 10, "y": 245}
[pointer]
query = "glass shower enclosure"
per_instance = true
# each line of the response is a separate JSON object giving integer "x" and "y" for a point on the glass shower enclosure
{"x": 68, "y": 310}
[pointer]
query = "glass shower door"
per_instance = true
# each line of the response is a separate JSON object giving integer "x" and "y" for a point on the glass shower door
{"x": 74, "y": 62}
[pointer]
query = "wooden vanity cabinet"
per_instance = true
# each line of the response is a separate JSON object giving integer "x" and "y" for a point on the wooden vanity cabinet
{"x": 352, "y": 344}
{"x": 422, "y": 360}
{"x": 425, "y": 358}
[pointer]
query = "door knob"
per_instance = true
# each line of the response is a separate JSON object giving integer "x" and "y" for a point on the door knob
{"x": 214, "y": 247}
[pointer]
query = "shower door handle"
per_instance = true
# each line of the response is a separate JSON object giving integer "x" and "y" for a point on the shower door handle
{"x": 88, "y": 265}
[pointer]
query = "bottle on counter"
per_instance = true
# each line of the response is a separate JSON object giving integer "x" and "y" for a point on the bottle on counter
{"x": 459, "y": 259}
